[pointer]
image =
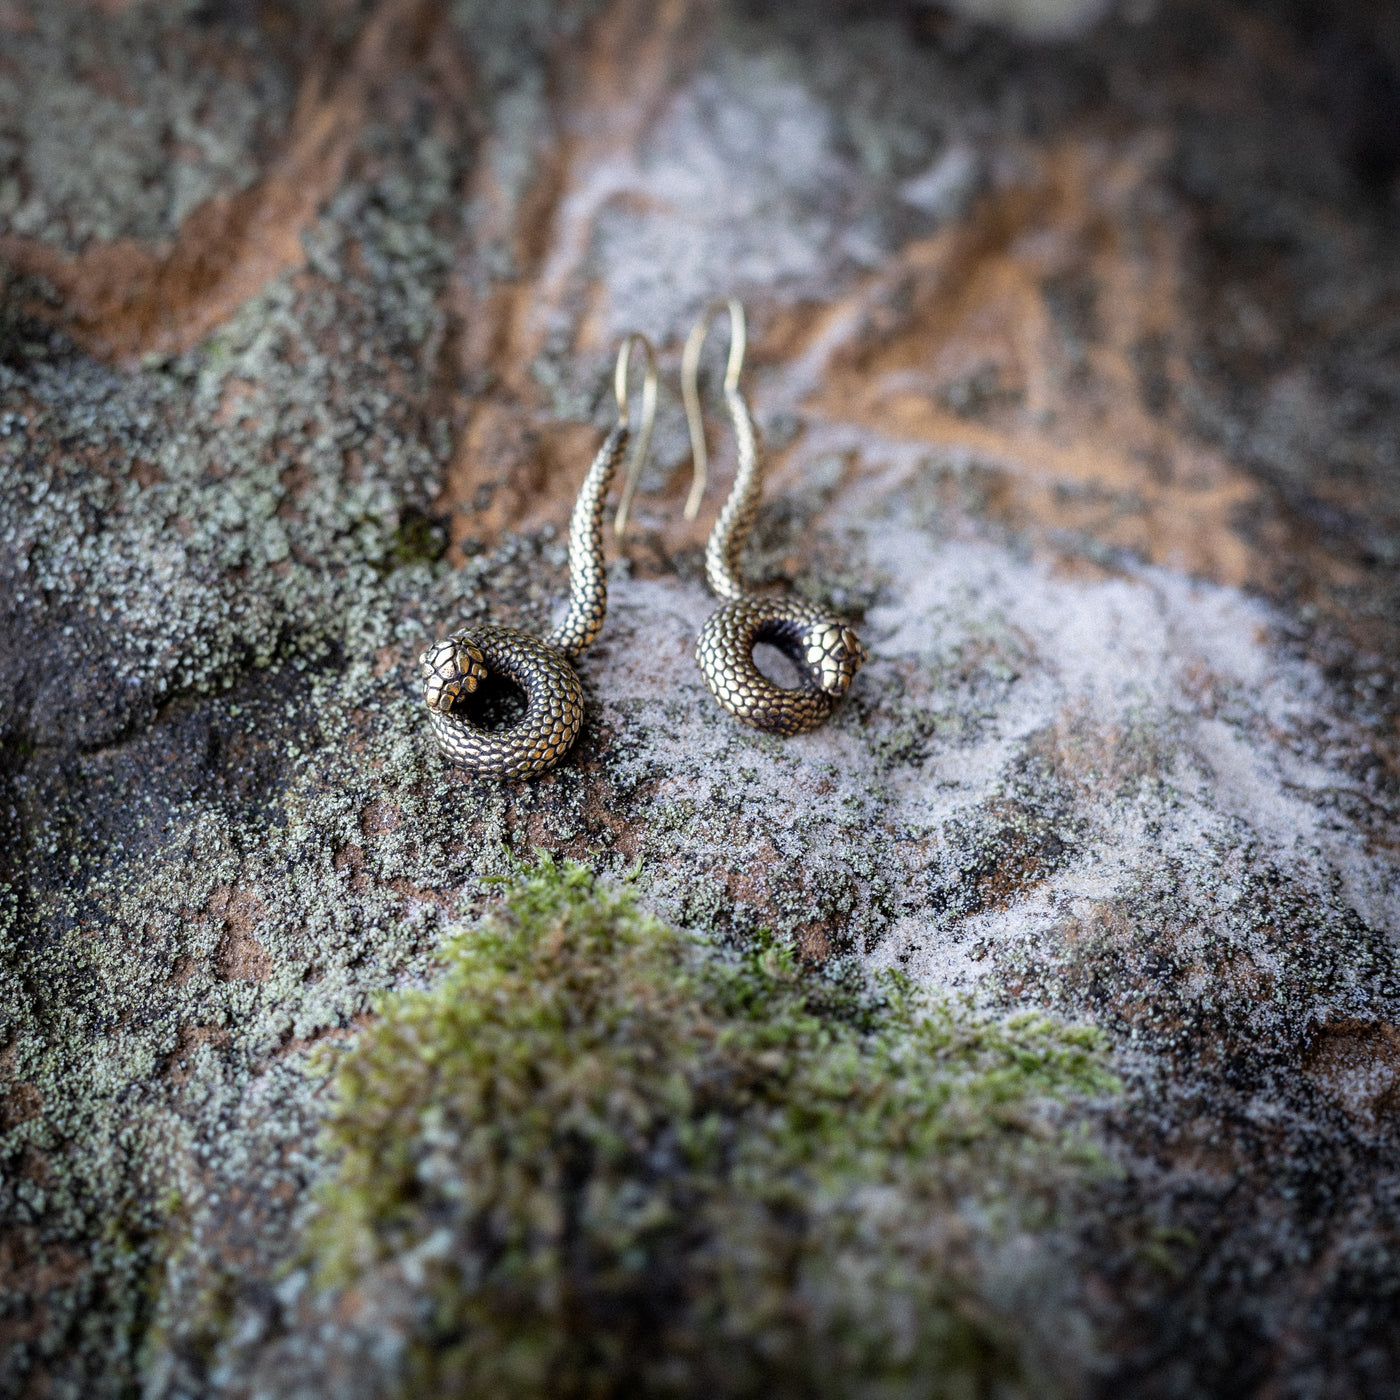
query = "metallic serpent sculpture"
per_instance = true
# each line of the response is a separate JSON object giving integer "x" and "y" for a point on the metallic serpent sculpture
{"x": 541, "y": 666}
{"x": 826, "y": 652}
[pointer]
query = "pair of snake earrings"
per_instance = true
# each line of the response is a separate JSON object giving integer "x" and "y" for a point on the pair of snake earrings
{"x": 826, "y": 652}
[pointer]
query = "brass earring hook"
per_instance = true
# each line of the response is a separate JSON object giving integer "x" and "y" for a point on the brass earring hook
{"x": 690, "y": 388}
{"x": 639, "y": 453}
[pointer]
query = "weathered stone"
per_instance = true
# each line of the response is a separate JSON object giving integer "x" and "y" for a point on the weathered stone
{"x": 1078, "y": 371}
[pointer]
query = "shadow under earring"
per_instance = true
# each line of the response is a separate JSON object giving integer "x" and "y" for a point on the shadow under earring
{"x": 826, "y": 652}
{"x": 542, "y": 667}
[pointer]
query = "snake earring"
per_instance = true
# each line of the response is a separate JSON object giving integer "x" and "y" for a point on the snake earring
{"x": 541, "y": 666}
{"x": 826, "y": 652}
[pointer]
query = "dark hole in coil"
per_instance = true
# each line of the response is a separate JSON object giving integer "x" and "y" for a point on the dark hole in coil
{"x": 497, "y": 703}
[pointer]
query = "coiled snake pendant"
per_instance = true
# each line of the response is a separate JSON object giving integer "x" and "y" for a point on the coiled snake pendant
{"x": 541, "y": 666}
{"x": 826, "y": 652}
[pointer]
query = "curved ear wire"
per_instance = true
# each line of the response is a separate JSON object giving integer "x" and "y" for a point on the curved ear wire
{"x": 690, "y": 388}
{"x": 639, "y": 453}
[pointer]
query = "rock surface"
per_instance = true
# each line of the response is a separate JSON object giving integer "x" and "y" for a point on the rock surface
{"x": 1079, "y": 368}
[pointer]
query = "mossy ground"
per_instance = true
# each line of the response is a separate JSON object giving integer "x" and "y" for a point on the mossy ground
{"x": 622, "y": 1161}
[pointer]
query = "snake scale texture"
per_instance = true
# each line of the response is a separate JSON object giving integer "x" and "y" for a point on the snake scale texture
{"x": 541, "y": 666}
{"x": 826, "y": 652}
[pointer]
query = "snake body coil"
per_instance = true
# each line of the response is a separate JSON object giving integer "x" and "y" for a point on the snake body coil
{"x": 553, "y": 701}
{"x": 826, "y": 652}
{"x": 541, "y": 666}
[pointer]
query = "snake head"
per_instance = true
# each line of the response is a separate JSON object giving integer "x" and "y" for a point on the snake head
{"x": 836, "y": 653}
{"x": 451, "y": 669}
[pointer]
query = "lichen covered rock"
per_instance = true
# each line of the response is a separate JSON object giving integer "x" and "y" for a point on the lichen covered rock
{"x": 1076, "y": 371}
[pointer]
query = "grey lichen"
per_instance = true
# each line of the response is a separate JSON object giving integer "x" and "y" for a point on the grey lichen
{"x": 162, "y": 126}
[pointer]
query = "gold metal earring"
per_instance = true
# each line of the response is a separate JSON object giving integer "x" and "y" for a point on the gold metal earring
{"x": 541, "y": 666}
{"x": 826, "y": 652}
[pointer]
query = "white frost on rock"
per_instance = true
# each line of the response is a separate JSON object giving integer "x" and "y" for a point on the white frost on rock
{"x": 1188, "y": 665}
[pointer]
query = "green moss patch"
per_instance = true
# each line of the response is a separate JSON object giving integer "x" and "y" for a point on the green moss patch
{"x": 613, "y": 1159}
